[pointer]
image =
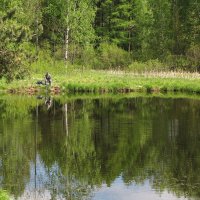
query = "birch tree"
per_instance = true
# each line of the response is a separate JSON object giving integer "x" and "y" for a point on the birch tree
{"x": 69, "y": 22}
{"x": 77, "y": 22}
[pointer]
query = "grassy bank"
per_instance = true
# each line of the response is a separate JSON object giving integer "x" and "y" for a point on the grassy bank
{"x": 91, "y": 81}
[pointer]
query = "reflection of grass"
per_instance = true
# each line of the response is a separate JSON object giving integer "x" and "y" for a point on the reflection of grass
{"x": 113, "y": 81}
{"x": 4, "y": 195}
{"x": 170, "y": 95}
{"x": 18, "y": 106}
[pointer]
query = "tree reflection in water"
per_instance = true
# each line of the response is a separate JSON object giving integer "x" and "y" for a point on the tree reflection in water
{"x": 75, "y": 146}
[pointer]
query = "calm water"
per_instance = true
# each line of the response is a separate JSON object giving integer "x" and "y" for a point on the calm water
{"x": 100, "y": 149}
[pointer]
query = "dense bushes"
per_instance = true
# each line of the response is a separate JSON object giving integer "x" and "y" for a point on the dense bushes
{"x": 13, "y": 64}
{"x": 193, "y": 55}
{"x": 112, "y": 57}
{"x": 106, "y": 56}
{"x": 188, "y": 62}
{"x": 150, "y": 65}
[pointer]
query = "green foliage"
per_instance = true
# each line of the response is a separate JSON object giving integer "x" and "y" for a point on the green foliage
{"x": 84, "y": 56}
{"x": 46, "y": 63}
{"x": 151, "y": 30}
{"x": 76, "y": 17}
{"x": 3, "y": 83}
{"x": 112, "y": 57}
{"x": 99, "y": 33}
{"x": 13, "y": 42}
{"x": 176, "y": 62}
{"x": 4, "y": 195}
{"x": 150, "y": 65}
{"x": 193, "y": 55}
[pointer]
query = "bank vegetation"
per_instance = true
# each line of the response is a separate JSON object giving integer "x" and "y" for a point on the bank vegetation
{"x": 91, "y": 38}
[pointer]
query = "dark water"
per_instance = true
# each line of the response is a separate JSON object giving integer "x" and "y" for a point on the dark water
{"x": 100, "y": 149}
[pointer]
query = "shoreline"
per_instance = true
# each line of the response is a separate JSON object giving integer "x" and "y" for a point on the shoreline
{"x": 109, "y": 82}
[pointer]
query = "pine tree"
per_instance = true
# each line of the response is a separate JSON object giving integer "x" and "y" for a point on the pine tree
{"x": 115, "y": 21}
{"x": 14, "y": 38}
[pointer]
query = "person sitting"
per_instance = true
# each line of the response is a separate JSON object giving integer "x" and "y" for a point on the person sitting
{"x": 47, "y": 79}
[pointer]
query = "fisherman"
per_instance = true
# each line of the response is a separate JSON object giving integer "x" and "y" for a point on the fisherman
{"x": 47, "y": 79}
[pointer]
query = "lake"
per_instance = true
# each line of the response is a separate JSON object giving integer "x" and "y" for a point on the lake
{"x": 100, "y": 148}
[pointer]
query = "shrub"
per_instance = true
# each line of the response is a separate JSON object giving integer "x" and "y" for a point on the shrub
{"x": 193, "y": 55}
{"x": 112, "y": 57}
{"x": 13, "y": 65}
{"x": 46, "y": 63}
{"x": 176, "y": 62}
{"x": 86, "y": 57}
{"x": 150, "y": 65}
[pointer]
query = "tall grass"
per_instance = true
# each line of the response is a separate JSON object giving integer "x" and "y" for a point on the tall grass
{"x": 118, "y": 81}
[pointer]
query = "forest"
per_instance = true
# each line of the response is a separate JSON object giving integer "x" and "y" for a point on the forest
{"x": 98, "y": 34}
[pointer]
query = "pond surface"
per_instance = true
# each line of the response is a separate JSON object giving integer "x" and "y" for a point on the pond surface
{"x": 100, "y": 149}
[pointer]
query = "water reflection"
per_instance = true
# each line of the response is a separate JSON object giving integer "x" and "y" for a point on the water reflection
{"x": 97, "y": 148}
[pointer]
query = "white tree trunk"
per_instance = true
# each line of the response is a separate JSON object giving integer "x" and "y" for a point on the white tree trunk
{"x": 66, "y": 44}
{"x": 66, "y": 120}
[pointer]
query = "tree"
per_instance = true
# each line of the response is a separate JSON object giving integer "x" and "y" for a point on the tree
{"x": 15, "y": 47}
{"x": 71, "y": 20}
{"x": 116, "y": 22}
{"x": 153, "y": 33}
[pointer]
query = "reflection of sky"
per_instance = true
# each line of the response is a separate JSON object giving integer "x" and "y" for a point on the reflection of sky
{"x": 119, "y": 191}
{"x": 37, "y": 188}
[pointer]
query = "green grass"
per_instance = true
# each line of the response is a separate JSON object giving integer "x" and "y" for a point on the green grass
{"x": 4, "y": 195}
{"x": 91, "y": 81}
